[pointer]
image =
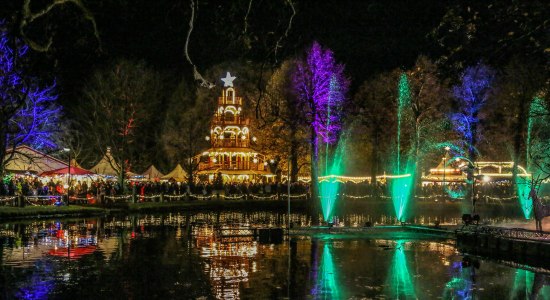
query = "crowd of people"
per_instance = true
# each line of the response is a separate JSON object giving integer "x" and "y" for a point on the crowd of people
{"x": 36, "y": 186}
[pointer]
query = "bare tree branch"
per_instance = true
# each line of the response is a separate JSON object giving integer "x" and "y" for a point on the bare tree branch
{"x": 29, "y": 17}
{"x": 246, "y": 17}
{"x": 198, "y": 77}
{"x": 285, "y": 35}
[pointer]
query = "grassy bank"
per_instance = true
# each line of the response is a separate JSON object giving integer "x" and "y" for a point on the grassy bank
{"x": 8, "y": 212}
{"x": 31, "y": 212}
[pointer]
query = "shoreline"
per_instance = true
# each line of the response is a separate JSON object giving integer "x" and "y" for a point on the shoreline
{"x": 10, "y": 213}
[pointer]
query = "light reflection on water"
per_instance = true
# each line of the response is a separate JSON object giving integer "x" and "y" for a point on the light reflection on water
{"x": 153, "y": 256}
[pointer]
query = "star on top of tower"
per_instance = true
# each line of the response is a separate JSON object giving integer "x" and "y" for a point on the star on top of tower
{"x": 228, "y": 80}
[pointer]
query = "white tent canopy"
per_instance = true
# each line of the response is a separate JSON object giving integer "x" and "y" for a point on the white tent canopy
{"x": 107, "y": 165}
{"x": 178, "y": 174}
{"x": 27, "y": 159}
{"x": 151, "y": 173}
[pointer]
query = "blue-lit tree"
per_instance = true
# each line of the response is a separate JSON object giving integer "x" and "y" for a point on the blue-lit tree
{"x": 29, "y": 114}
{"x": 471, "y": 94}
{"x": 321, "y": 87}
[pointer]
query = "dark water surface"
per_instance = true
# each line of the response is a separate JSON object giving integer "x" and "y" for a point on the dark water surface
{"x": 162, "y": 256}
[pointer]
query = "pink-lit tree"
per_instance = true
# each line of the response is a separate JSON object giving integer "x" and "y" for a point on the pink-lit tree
{"x": 321, "y": 87}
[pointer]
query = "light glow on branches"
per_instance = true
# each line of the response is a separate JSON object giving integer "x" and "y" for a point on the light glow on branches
{"x": 321, "y": 85}
{"x": 472, "y": 94}
{"x": 29, "y": 112}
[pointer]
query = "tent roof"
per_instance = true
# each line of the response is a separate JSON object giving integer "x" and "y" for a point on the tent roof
{"x": 74, "y": 171}
{"x": 27, "y": 159}
{"x": 74, "y": 163}
{"x": 178, "y": 174}
{"x": 152, "y": 172}
{"x": 105, "y": 165}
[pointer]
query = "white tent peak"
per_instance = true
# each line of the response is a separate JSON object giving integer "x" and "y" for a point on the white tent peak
{"x": 177, "y": 174}
{"x": 152, "y": 172}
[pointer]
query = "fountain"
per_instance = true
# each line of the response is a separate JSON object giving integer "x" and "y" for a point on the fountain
{"x": 328, "y": 189}
{"x": 399, "y": 280}
{"x": 523, "y": 283}
{"x": 402, "y": 183}
{"x": 326, "y": 286}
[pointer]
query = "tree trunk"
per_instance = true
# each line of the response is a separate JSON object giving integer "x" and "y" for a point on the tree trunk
{"x": 2, "y": 152}
{"x": 294, "y": 145}
{"x": 121, "y": 175}
{"x": 374, "y": 159}
{"x": 314, "y": 188}
{"x": 518, "y": 135}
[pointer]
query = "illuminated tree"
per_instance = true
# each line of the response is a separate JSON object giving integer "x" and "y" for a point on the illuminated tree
{"x": 281, "y": 131}
{"x": 29, "y": 113}
{"x": 320, "y": 87}
{"x": 471, "y": 94}
{"x": 425, "y": 121}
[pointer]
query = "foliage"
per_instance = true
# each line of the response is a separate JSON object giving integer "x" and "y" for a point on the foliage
{"x": 29, "y": 113}
{"x": 493, "y": 30}
{"x": 280, "y": 131}
{"x": 472, "y": 94}
{"x": 185, "y": 127}
{"x": 429, "y": 102}
{"x": 121, "y": 110}
{"x": 321, "y": 88}
{"x": 375, "y": 108}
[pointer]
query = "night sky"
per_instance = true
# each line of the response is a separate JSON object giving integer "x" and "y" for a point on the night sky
{"x": 367, "y": 36}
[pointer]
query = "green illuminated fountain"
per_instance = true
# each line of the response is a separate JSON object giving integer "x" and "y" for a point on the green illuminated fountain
{"x": 328, "y": 189}
{"x": 402, "y": 183}
{"x": 327, "y": 286}
{"x": 523, "y": 283}
{"x": 399, "y": 280}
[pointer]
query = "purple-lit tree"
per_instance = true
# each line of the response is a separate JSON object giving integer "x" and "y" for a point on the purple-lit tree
{"x": 28, "y": 112}
{"x": 320, "y": 87}
{"x": 471, "y": 94}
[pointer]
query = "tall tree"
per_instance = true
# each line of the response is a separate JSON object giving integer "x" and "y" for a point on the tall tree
{"x": 376, "y": 109}
{"x": 185, "y": 127}
{"x": 520, "y": 84}
{"x": 493, "y": 30}
{"x": 120, "y": 104}
{"x": 472, "y": 94}
{"x": 315, "y": 80}
{"x": 428, "y": 103}
{"x": 29, "y": 113}
{"x": 280, "y": 130}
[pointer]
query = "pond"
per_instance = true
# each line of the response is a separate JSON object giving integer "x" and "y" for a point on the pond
{"x": 163, "y": 256}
